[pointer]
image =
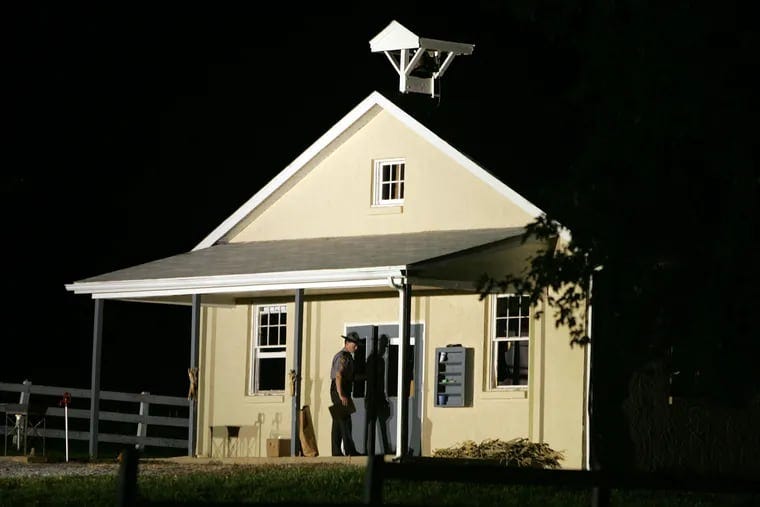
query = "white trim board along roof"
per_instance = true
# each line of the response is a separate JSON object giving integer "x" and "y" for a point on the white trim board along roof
{"x": 375, "y": 99}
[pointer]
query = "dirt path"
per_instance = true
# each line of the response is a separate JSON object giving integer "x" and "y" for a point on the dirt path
{"x": 18, "y": 468}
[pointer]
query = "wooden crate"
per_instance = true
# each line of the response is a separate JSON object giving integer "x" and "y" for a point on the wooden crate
{"x": 277, "y": 447}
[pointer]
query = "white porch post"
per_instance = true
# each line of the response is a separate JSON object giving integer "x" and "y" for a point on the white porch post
{"x": 97, "y": 342}
{"x": 195, "y": 331}
{"x": 402, "y": 395}
{"x": 298, "y": 342}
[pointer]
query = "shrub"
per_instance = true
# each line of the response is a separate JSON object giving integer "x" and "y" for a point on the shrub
{"x": 518, "y": 452}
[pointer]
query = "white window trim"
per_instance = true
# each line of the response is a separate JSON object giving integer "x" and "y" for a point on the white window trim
{"x": 492, "y": 382}
{"x": 377, "y": 173}
{"x": 257, "y": 352}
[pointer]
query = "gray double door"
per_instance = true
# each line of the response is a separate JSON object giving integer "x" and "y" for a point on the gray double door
{"x": 381, "y": 355}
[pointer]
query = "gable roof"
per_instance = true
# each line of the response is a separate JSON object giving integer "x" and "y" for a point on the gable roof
{"x": 394, "y": 36}
{"x": 374, "y": 100}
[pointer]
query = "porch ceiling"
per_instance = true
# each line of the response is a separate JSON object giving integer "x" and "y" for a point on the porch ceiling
{"x": 319, "y": 264}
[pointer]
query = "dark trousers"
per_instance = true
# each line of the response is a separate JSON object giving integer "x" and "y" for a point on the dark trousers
{"x": 341, "y": 430}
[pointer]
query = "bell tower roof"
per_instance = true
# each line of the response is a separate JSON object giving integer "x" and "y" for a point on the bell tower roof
{"x": 420, "y": 62}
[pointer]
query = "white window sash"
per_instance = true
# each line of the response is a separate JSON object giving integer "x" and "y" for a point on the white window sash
{"x": 259, "y": 352}
{"x": 377, "y": 196}
{"x": 493, "y": 380}
{"x": 263, "y": 354}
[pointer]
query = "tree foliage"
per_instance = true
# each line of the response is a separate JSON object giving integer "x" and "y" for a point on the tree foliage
{"x": 560, "y": 276}
{"x": 659, "y": 185}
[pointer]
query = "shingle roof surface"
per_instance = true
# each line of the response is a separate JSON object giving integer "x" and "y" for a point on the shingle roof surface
{"x": 310, "y": 254}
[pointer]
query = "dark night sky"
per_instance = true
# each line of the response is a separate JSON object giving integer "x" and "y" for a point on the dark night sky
{"x": 135, "y": 132}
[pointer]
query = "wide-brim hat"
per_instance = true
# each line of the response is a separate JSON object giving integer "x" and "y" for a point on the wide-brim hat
{"x": 353, "y": 336}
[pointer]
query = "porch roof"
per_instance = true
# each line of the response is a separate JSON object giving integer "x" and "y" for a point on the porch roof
{"x": 338, "y": 262}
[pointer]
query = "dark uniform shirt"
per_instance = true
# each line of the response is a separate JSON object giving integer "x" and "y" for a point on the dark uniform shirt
{"x": 343, "y": 362}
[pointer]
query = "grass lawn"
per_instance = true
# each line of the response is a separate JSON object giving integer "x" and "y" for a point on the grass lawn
{"x": 317, "y": 484}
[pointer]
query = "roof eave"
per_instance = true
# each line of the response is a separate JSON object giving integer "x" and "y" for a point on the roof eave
{"x": 258, "y": 282}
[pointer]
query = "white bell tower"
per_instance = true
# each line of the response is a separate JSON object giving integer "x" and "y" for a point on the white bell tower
{"x": 419, "y": 62}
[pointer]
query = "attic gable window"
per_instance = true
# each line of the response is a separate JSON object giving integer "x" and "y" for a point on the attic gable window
{"x": 388, "y": 186}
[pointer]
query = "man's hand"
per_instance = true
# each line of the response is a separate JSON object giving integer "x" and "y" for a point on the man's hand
{"x": 343, "y": 400}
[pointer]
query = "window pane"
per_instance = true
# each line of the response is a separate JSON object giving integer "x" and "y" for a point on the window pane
{"x": 385, "y": 191}
{"x": 282, "y": 334}
{"x": 501, "y": 307}
{"x": 401, "y": 172}
{"x": 283, "y": 317}
{"x": 401, "y": 191}
{"x": 525, "y": 306}
{"x": 512, "y": 327}
{"x": 514, "y": 306}
{"x": 512, "y": 363}
{"x": 524, "y": 326}
{"x": 263, "y": 318}
{"x": 502, "y": 374}
{"x": 501, "y": 328}
{"x": 274, "y": 318}
{"x": 274, "y": 336}
{"x": 264, "y": 336}
{"x": 394, "y": 172}
{"x": 272, "y": 374}
{"x": 521, "y": 362}
{"x": 394, "y": 190}
{"x": 386, "y": 173}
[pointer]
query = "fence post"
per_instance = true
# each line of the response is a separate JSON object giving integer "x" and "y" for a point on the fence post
{"x": 142, "y": 426}
{"x": 127, "y": 494}
{"x": 600, "y": 496}
{"x": 26, "y": 393}
{"x": 22, "y": 420}
{"x": 373, "y": 480}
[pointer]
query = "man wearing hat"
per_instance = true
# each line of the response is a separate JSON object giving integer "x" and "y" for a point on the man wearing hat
{"x": 341, "y": 383}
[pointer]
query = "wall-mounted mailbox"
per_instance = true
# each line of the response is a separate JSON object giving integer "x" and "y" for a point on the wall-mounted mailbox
{"x": 452, "y": 373}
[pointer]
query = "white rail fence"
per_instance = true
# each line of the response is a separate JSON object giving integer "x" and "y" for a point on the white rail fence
{"x": 36, "y": 421}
